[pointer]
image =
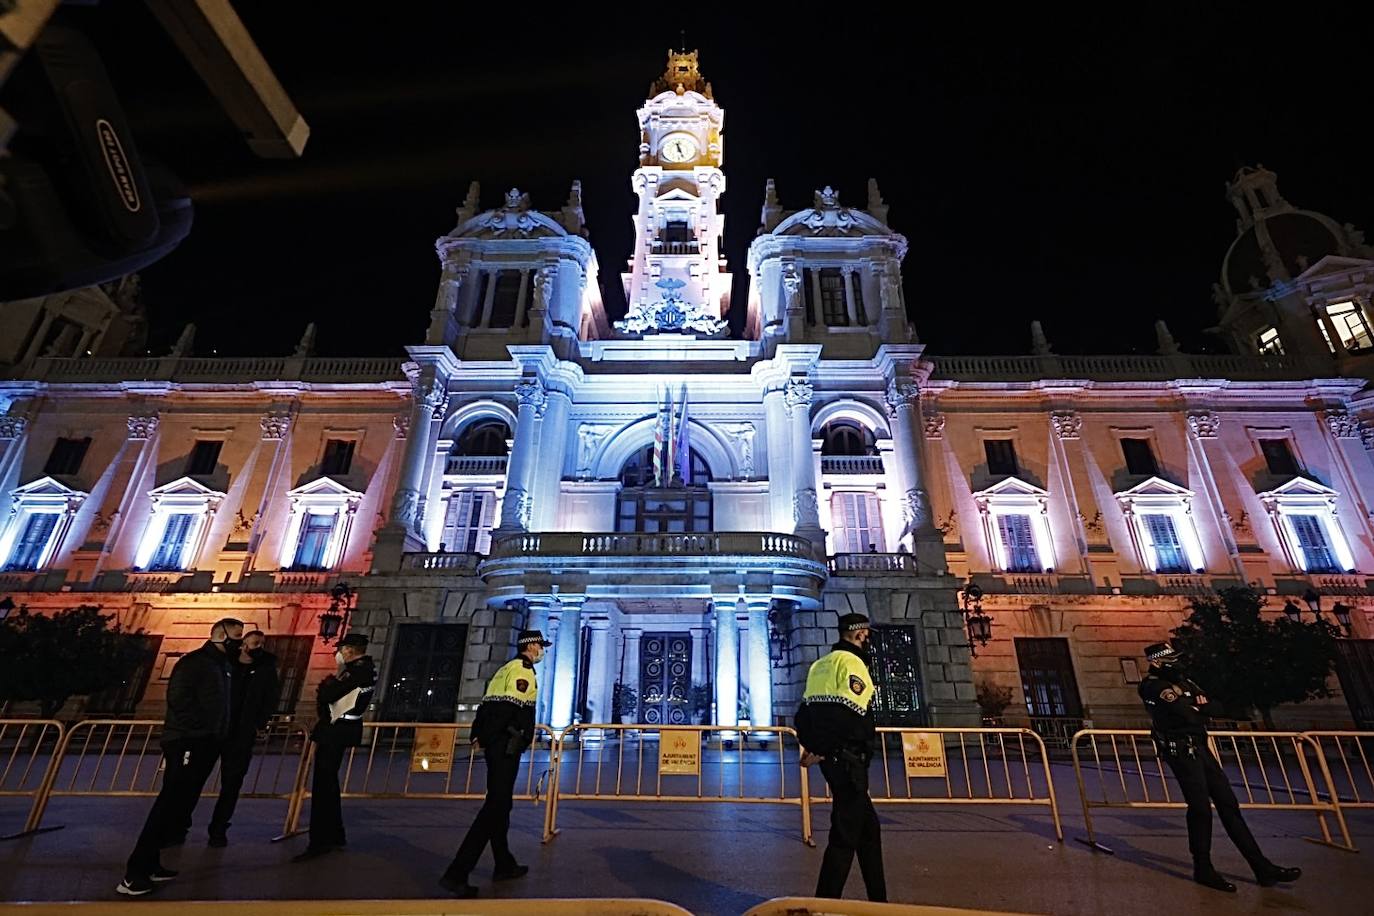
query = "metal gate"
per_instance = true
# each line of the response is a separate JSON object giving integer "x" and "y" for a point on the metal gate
{"x": 665, "y": 678}
{"x": 896, "y": 674}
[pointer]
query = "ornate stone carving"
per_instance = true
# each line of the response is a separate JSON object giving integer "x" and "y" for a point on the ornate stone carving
{"x": 741, "y": 436}
{"x": 543, "y": 287}
{"x": 243, "y": 524}
{"x": 804, "y": 509}
{"x": 101, "y": 523}
{"x": 798, "y": 394}
{"x": 827, "y": 217}
{"x": 589, "y": 439}
{"x": 1241, "y": 524}
{"x": 901, "y": 394}
{"x": 916, "y": 509}
{"x": 514, "y": 218}
{"x": 517, "y": 509}
{"x": 142, "y": 427}
{"x": 439, "y": 408}
{"x": 934, "y": 424}
{"x": 275, "y": 425}
{"x": 1342, "y": 424}
{"x": 671, "y": 314}
{"x": 1204, "y": 424}
{"x": 1067, "y": 424}
{"x": 405, "y": 506}
{"x": 950, "y": 526}
{"x": 530, "y": 393}
{"x": 792, "y": 286}
{"x": 1367, "y": 434}
{"x": 12, "y": 427}
{"x": 401, "y": 423}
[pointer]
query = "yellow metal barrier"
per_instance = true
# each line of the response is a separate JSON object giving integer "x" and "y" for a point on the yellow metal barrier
{"x": 423, "y": 760}
{"x": 28, "y": 752}
{"x": 965, "y": 766}
{"x": 600, "y": 762}
{"x": 122, "y": 758}
{"x": 1347, "y": 761}
{"x": 815, "y": 906}
{"x": 552, "y": 907}
{"x": 1271, "y": 771}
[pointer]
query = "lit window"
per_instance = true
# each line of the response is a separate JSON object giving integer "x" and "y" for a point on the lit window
{"x": 319, "y": 524}
{"x": 469, "y": 520}
{"x": 1350, "y": 323}
{"x": 846, "y": 438}
{"x": 177, "y": 528}
{"x": 1269, "y": 342}
{"x": 1162, "y": 529}
{"x": 857, "y": 523}
{"x": 1304, "y": 512}
{"x": 39, "y": 519}
{"x": 1016, "y": 524}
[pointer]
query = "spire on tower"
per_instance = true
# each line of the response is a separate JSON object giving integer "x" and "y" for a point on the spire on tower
{"x": 471, "y": 203}
{"x": 876, "y": 208}
{"x": 772, "y": 210}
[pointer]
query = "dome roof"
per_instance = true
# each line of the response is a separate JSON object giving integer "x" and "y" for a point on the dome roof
{"x": 1300, "y": 239}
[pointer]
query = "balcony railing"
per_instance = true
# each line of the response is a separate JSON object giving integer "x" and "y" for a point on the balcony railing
{"x": 449, "y": 563}
{"x": 341, "y": 370}
{"x": 1129, "y": 367}
{"x": 573, "y": 544}
{"x": 460, "y": 465}
{"x": 851, "y": 563}
{"x": 851, "y": 464}
{"x": 691, "y": 247}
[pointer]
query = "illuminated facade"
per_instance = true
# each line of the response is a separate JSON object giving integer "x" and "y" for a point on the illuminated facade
{"x": 686, "y": 512}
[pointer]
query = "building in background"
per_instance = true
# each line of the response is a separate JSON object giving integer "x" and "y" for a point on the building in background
{"x": 688, "y": 513}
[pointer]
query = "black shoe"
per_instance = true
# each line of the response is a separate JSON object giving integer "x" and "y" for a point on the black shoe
{"x": 161, "y": 875}
{"x": 174, "y": 840}
{"x": 1210, "y": 878}
{"x": 1277, "y": 874}
{"x": 219, "y": 840}
{"x": 458, "y": 887}
{"x": 508, "y": 874}
{"x": 135, "y": 887}
{"x": 313, "y": 852}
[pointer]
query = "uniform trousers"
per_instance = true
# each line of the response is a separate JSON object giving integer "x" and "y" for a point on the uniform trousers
{"x": 854, "y": 829}
{"x": 186, "y": 767}
{"x": 492, "y": 823}
{"x": 1204, "y": 784}
{"x": 326, "y": 808}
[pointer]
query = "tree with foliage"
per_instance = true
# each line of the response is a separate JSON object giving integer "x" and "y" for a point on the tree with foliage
{"x": 993, "y": 699}
{"x": 1246, "y": 663}
{"x": 49, "y": 658}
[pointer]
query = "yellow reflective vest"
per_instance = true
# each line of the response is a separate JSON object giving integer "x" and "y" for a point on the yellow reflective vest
{"x": 514, "y": 683}
{"x": 840, "y": 677}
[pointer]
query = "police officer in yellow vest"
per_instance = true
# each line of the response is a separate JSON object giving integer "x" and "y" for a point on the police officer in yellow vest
{"x": 835, "y": 727}
{"x": 503, "y": 728}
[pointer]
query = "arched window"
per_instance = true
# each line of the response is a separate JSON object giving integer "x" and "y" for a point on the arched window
{"x": 483, "y": 439}
{"x": 674, "y": 506}
{"x": 845, "y": 437}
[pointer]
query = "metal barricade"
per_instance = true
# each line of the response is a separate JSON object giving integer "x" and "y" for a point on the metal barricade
{"x": 28, "y": 749}
{"x": 812, "y": 906}
{"x": 704, "y": 763}
{"x": 591, "y": 906}
{"x": 1269, "y": 770}
{"x": 1348, "y": 762}
{"x": 122, "y": 758}
{"x": 425, "y": 760}
{"x": 963, "y": 766}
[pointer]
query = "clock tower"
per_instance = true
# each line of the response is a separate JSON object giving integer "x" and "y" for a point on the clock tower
{"x": 677, "y": 282}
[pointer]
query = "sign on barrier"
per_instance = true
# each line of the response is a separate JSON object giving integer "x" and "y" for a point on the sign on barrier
{"x": 28, "y": 752}
{"x": 1273, "y": 770}
{"x": 924, "y": 753}
{"x": 433, "y": 751}
{"x": 679, "y": 753}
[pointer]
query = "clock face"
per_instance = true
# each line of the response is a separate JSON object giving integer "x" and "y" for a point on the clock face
{"x": 678, "y": 148}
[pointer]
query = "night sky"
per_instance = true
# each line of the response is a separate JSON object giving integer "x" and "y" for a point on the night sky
{"x": 1064, "y": 168}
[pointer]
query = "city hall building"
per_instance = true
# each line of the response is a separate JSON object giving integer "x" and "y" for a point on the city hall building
{"x": 686, "y": 512}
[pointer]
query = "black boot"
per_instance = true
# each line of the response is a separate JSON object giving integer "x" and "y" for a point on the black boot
{"x": 1276, "y": 874}
{"x": 1208, "y": 876}
{"x": 457, "y": 886}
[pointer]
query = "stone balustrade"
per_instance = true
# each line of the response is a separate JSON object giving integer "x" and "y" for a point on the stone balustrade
{"x": 559, "y": 543}
{"x": 851, "y": 464}
{"x": 339, "y": 370}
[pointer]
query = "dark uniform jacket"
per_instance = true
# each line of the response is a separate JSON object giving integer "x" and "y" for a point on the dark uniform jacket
{"x": 505, "y": 718}
{"x": 261, "y": 689}
{"x": 834, "y": 715}
{"x": 359, "y": 674}
{"x": 1178, "y": 709}
{"x": 198, "y": 697}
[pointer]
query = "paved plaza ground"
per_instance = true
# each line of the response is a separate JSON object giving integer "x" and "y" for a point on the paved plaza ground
{"x": 710, "y": 859}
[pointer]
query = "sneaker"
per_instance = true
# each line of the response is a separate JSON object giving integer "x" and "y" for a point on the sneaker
{"x": 161, "y": 875}
{"x": 515, "y": 871}
{"x": 219, "y": 840}
{"x": 458, "y": 887}
{"x": 1277, "y": 874}
{"x": 135, "y": 887}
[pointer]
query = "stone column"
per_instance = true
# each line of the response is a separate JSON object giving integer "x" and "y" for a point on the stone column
{"x": 727, "y": 662}
{"x": 760, "y": 667}
{"x": 598, "y": 673}
{"x": 538, "y": 619}
{"x": 630, "y": 675}
{"x": 903, "y": 401}
{"x": 428, "y": 400}
{"x": 568, "y": 648}
{"x": 517, "y": 507}
{"x": 805, "y": 512}
{"x": 547, "y": 467}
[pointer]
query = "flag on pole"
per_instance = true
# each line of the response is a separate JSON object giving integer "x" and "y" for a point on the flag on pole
{"x": 659, "y": 435}
{"x": 682, "y": 448}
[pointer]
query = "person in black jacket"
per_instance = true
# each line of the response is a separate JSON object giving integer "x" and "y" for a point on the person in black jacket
{"x": 1178, "y": 712}
{"x": 198, "y": 709}
{"x": 256, "y": 690}
{"x": 340, "y": 702}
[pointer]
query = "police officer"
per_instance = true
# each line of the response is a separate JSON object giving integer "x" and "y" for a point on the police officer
{"x": 255, "y": 692}
{"x": 1179, "y": 709}
{"x": 340, "y": 702}
{"x": 503, "y": 728}
{"x": 835, "y": 728}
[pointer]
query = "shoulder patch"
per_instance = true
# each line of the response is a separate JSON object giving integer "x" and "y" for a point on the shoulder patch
{"x": 856, "y": 684}
{"x": 521, "y": 684}
{"x": 1168, "y": 694}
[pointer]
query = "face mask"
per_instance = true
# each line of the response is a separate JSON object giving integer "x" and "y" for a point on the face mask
{"x": 256, "y": 653}
{"x": 339, "y": 657}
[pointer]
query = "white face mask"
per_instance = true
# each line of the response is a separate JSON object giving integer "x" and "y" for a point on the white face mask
{"x": 339, "y": 657}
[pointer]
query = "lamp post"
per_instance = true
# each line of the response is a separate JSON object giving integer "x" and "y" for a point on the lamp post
{"x": 334, "y": 621}
{"x": 1342, "y": 613}
{"x": 779, "y": 624}
{"x": 1292, "y": 611}
{"x": 1313, "y": 599}
{"x": 976, "y": 623}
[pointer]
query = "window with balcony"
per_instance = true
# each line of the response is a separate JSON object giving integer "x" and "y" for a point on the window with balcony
{"x": 177, "y": 527}
{"x": 33, "y": 541}
{"x": 468, "y": 521}
{"x": 1304, "y": 514}
{"x": 641, "y": 506}
{"x": 1016, "y": 525}
{"x": 846, "y": 438}
{"x": 857, "y": 523}
{"x": 66, "y": 456}
{"x": 318, "y": 526}
{"x": 1268, "y": 342}
{"x": 40, "y": 516}
{"x": 1160, "y": 515}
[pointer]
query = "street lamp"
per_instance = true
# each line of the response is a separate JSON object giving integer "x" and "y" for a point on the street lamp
{"x": 1342, "y": 613}
{"x": 1314, "y": 601}
{"x": 779, "y": 625}
{"x": 977, "y": 623}
{"x": 1292, "y": 611}
{"x": 334, "y": 621}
